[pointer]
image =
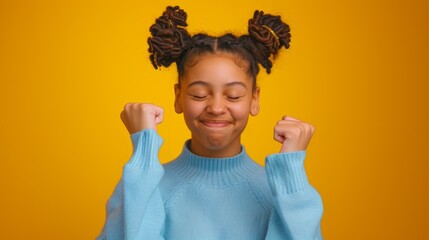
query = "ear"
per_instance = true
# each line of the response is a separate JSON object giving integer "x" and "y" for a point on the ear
{"x": 177, "y": 102}
{"x": 254, "y": 107}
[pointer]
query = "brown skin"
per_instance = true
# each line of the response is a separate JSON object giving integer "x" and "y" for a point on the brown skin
{"x": 216, "y": 98}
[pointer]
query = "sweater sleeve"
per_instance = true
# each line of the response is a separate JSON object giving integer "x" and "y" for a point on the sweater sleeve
{"x": 298, "y": 207}
{"x": 135, "y": 210}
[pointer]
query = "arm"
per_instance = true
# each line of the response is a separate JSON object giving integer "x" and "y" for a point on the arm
{"x": 135, "y": 210}
{"x": 298, "y": 207}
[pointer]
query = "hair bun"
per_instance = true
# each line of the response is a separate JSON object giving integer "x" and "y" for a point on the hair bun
{"x": 176, "y": 16}
{"x": 169, "y": 37}
{"x": 270, "y": 31}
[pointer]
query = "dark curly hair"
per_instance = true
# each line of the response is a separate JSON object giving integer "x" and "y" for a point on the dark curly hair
{"x": 170, "y": 42}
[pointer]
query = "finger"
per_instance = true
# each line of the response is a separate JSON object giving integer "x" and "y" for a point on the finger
{"x": 158, "y": 120}
{"x": 128, "y": 105}
{"x": 288, "y": 123}
{"x": 159, "y": 117}
{"x": 279, "y": 138}
{"x": 122, "y": 115}
{"x": 289, "y": 118}
{"x": 280, "y": 134}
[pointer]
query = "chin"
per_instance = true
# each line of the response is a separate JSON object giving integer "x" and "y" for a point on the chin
{"x": 218, "y": 143}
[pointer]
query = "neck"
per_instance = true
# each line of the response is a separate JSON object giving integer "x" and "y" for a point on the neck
{"x": 216, "y": 151}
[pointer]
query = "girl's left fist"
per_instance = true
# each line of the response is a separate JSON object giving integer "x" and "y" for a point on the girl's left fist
{"x": 293, "y": 134}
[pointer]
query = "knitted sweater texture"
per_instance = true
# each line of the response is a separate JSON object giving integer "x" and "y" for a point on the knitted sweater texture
{"x": 194, "y": 197}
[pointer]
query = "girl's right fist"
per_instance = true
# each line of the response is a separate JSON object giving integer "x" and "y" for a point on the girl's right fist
{"x": 138, "y": 116}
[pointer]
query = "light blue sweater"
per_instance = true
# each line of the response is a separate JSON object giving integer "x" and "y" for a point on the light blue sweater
{"x": 203, "y": 198}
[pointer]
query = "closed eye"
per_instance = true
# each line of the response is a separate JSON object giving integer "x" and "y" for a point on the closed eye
{"x": 198, "y": 97}
{"x": 233, "y": 98}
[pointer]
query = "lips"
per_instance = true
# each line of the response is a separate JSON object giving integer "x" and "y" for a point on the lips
{"x": 215, "y": 123}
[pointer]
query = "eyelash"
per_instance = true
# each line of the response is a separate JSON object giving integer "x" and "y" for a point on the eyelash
{"x": 233, "y": 98}
{"x": 200, "y": 98}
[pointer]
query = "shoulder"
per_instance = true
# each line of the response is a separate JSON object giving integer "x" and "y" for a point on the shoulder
{"x": 170, "y": 183}
{"x": 258, "y": 183}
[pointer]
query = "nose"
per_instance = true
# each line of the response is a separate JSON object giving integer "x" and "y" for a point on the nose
{"x": 216, "y": 105}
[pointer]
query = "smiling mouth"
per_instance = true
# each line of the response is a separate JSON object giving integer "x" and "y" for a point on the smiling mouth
{"x": 215, "y": 123}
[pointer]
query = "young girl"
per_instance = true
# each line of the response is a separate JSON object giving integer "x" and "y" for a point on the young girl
{"x": 213, "y": 190}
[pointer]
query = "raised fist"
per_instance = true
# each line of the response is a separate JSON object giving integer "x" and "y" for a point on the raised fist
{"x": 138, "y": 116}
{"x": 293, "y": 134}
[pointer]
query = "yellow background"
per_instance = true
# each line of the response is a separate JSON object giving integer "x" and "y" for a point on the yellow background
{"x": 356, "y": 70}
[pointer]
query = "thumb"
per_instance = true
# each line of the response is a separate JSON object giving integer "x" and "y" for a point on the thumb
{"x": 159, "y": 115}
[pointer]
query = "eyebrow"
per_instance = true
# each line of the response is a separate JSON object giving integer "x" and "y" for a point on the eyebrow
{"x": 198, "y": 83}
{"x": 236, "y": 83}
{"x": 227, "y": 85}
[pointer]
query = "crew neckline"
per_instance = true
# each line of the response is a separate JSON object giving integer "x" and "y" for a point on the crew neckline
{"x": 216, "y": 172}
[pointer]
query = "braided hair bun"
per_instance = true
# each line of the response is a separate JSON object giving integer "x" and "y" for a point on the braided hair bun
{"x": 169, "y": 37}
{"x": 267, "y": 35}
{"x": 170, "y": 41}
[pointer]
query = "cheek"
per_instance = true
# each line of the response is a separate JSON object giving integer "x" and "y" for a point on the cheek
{"x": 240, "y": 111}
{"x": 192, "y": 109}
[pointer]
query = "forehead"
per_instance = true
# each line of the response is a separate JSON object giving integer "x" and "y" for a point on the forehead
{"x": 215, "y": 69}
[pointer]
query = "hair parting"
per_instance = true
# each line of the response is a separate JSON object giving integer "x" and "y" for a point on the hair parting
{"x": 170, "y": 42}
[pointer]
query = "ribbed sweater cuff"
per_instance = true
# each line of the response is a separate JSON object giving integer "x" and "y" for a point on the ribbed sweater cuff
{"x": 146, "y": 145}
{"x": 286, "y": 173}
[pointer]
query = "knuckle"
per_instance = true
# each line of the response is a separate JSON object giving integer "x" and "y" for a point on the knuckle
{"x": 309, "y": 127}
{"x": 143, "y": 106}
{"x": 280, "y": 122}
{"x": 306, "y": 127}
{"x": 129, "y": 106}
{"x": 296, "y": 130}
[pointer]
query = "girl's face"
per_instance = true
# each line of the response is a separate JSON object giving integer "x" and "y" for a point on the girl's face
{"x": 216, "y": 98}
